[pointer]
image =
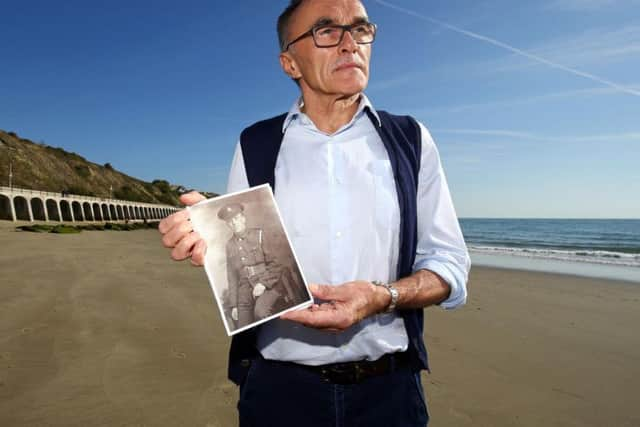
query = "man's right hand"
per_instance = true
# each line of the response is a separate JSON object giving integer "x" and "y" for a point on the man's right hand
{"x": 177, "y": 233}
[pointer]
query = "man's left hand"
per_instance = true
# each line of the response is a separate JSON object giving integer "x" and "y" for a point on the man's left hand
{"x": 258, "y": 290}
{"x": 345, "y": 305}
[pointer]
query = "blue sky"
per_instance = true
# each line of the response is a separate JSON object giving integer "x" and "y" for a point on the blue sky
{"x": 535, "y": 106}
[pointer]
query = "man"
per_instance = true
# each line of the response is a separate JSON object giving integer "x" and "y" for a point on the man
{"x": 367, "y": 206}
{"x": 258, "y": 285}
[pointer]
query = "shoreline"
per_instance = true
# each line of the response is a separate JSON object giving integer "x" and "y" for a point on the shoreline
{"x": 104, "y": 329}
{"x": 549, "y": 265}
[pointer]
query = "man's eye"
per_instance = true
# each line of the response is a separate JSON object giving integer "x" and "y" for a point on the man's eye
{"x": 361, "y": 29}
{"x": 326, "y": 31}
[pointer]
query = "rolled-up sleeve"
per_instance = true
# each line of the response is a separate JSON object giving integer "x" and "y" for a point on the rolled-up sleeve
{"x": 441, "y": 247}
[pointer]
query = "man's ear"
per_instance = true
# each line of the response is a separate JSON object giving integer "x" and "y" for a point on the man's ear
{"x": 289, "y": 65}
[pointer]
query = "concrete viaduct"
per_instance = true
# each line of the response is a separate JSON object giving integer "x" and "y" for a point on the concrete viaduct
{"x": 18, "y": 204}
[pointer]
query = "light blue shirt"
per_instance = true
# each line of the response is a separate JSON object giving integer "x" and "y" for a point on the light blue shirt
{"x": 337, "y": 197}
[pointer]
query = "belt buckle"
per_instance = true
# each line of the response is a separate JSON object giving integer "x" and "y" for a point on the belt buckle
{"x": 256, "y": 269}
{"x": 343, "y": 374}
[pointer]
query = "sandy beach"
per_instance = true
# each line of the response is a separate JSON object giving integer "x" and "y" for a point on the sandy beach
{"x": 103, "y": 329}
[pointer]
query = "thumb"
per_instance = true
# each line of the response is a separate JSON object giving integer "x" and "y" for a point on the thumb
{"x": 191, "y": 198}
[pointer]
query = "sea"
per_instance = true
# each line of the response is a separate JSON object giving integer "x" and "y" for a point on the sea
{"x": 607, "y": 248}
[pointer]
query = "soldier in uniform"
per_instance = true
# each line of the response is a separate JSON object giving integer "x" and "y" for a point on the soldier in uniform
{"x": 258, "y": 285}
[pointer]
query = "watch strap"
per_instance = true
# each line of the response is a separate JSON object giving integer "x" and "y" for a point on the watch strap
{"x": 393, "y": 292}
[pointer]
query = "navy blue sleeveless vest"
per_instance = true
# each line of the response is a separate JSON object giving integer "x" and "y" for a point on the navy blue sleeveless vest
{"x": 260, "y": 144}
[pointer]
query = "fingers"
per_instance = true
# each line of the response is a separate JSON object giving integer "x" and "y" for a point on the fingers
{"x": 331, "y": 293}
{"x": 184, "y": 247}
{"x": 177, "y": 233}
{"x": 172, "y": 220}
{"x": 198, "y": 253}
{"x": 191, "y": 198}
{"x": 324, "y": 316}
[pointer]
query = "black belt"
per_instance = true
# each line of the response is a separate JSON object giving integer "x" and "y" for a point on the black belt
{"x": 356, "y": 372}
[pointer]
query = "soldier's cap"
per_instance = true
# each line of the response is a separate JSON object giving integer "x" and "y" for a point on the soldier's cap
{"x": 229, "y": 211}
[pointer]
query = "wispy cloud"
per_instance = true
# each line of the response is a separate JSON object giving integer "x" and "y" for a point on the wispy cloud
{"x": 486, "y": 132}
{"x": 586, "y": 5}
{"x": 568, "y": 94}
{"x": 521, "y": 135}
{"x": 592, "y": 47}
{"x": 398, "y": 80}
{"x": 515, "y": 50}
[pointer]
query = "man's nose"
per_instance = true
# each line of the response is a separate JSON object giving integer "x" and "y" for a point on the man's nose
{"x": 348, "y": 44}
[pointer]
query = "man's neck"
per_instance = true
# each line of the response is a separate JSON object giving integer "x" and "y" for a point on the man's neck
{"x": 331, "y": 113}
{"x": 240, "y": 235}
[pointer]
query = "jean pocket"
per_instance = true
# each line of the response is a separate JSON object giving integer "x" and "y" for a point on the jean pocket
{"x": 246, "y": 383}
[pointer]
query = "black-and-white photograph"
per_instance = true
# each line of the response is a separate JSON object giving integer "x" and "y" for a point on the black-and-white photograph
{"x": 250, "y": 263}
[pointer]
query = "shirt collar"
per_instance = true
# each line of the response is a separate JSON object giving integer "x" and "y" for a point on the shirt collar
{"x": 294, "y": 111}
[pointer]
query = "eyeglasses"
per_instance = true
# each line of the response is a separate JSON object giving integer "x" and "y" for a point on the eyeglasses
{"x": 331, "y": 35}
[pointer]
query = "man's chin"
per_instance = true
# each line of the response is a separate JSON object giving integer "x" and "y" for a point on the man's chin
{"x": 352, "y": 88}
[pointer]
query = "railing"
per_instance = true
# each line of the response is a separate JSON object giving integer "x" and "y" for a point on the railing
{"x": 45, "y": 194}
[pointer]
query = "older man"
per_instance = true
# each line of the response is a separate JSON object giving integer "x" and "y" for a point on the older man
{"x": 366, "y": 203}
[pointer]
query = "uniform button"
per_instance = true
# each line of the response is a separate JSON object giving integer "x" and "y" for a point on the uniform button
{"x": 245, "y": 363}
{"x": 243, "y": 258}
{"x": 240, "y": 248}
{"x": 339, "y": 234}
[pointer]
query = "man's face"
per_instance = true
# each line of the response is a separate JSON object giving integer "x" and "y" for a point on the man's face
{"x": 341, "y": 70}
{"x": 238, "y": 223}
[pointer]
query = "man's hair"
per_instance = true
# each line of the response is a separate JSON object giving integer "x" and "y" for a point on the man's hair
{"x": 283, "y": 22}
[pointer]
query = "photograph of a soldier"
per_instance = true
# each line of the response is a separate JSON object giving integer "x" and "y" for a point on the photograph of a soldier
{"x": 249, "y": 261}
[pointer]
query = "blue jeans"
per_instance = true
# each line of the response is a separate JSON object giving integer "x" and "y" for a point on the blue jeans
{"x": 283, "y": 395}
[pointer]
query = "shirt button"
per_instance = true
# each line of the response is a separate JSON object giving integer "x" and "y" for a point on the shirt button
{"x": 338, "y": 234}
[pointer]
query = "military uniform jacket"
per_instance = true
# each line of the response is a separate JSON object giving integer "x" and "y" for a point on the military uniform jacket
{"x": 243, "y": 251}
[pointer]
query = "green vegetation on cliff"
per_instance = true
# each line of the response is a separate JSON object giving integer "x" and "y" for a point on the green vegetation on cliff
{"x": 38, "y": 166}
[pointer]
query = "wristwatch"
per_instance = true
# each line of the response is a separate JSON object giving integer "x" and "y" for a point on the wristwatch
{"x": 392, "y": 291}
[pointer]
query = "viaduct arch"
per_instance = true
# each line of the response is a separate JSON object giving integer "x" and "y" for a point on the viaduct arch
{"x": 19, "y": 204}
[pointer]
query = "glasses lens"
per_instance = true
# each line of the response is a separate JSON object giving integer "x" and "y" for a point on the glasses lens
{"x": 327, "y": 35}
{"x": 363, "y": 33}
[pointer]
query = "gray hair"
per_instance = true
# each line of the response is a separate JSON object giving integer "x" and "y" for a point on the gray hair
{"x": 283, "y": 22}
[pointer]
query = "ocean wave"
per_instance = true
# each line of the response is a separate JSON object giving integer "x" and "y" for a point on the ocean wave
{"x": 581, "y": 255}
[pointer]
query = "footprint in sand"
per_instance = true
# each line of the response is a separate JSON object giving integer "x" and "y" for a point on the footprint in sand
{"x": 178, "y": 354}
{"x": 461, "y": 415}
{"x": 568, "y": 393}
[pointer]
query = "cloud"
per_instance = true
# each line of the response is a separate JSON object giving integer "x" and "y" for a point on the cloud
{"x": 486, "y": 132}
{"x": 586, "y": 5}
{"x": 519, "y": 52}
{"x": 514, "y": 134}
{"x": 568, "y": 94}
{"x": 393, "y": 82}
{"x": 592, "y": 47}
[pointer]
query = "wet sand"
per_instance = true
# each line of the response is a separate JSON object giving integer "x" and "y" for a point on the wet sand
{"x": 102, "y": 329}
